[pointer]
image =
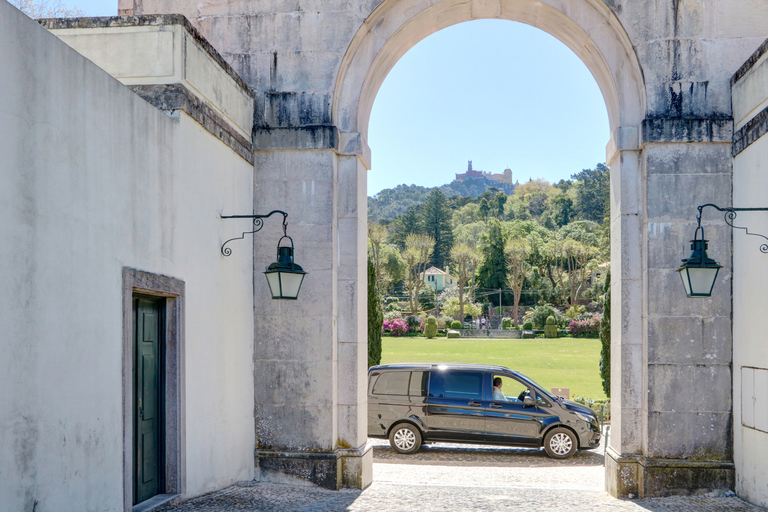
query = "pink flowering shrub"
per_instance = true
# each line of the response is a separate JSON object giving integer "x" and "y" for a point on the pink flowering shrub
{"x": 396, "y": 327}
{"x": 586, "y": 328}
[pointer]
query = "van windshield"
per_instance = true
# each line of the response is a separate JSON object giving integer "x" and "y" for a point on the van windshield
{"x": 536, "y": 385}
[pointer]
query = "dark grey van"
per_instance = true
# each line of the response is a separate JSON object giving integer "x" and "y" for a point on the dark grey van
{"x": 412, "y": 403}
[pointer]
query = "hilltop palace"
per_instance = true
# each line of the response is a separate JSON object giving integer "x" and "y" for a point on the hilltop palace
{"x": 505, "y": 177}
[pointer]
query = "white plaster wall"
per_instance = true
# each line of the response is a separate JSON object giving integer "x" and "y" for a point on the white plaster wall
{"x": 750, "y": 282}
{"x": 149, "y": 55}
{"x": 92, "y": 179}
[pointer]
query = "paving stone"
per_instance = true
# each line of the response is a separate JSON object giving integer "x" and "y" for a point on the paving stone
{"x": 453, "y": 477}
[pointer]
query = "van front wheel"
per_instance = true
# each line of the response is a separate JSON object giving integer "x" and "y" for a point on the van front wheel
{"x": 405, "y": 438}
{"x": 560, "y": 443}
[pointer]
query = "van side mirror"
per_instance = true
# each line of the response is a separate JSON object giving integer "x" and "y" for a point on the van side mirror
{"x": 528, "y": 402}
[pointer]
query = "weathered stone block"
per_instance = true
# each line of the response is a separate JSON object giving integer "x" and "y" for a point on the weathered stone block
{"x": 311, "y": 427}
{"x": 669, "y": 242}
{"x": 682, "y": 477}
{"x": 667, "y": 296}
{"x": 692, "y": 435}
{"x": 295, "y": 383}
{"x": 686, "y": 340}
{"x": 681, "y": 388}
{"x": 279, "y": 336}
{"x": 320, "y": 468}
{"x": 689, "y": 158}
{"x": 670, "y": 197}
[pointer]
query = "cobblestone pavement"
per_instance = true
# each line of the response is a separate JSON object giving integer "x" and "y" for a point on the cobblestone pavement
{"x": 451, "y": 477}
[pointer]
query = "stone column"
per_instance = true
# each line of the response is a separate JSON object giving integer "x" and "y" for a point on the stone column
{"x": 627, "y": 217}
{"x": 675, "y": 384}
{"x": 310, "y": 355}
{"x": 352, "y": 299}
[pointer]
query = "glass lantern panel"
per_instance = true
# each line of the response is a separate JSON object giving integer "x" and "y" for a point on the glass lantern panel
{"x": 273, "y": 279}
{"x": 291, "y": 284}
{"x": 702, "y": 280}
{"x": 686, "y": 283}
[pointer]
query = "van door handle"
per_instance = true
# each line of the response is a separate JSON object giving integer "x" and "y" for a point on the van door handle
{"x": 496, "y": 406}
{"x": 475, "y": 404}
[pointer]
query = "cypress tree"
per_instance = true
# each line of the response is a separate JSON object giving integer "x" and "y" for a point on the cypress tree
{"x": 605, "y": 338}
{"x": 375, "y": 317}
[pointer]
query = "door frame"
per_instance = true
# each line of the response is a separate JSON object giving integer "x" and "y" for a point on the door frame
{"x": 137, "y": 282}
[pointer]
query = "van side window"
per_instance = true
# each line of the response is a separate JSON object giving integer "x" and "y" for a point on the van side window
{"x": 461, "y": 385}
{"x": 418, "y": 384}
{"x": 392, "y": 383}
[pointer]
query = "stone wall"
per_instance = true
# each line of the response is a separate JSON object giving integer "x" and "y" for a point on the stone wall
{"x": 750, "y": 353}
{"x": 95, "y": 180}
{"x": 664, "y": 69}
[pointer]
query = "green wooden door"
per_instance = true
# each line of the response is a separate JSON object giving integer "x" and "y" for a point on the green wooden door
{"x": 147, "y": 398}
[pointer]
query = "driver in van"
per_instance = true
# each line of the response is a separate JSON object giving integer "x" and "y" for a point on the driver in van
{"x": 497, "y": 393}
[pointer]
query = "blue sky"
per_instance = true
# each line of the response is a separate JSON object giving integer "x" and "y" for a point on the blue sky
{"x": 499, "y": 93}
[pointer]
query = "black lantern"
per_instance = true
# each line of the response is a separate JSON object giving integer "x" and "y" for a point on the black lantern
{"x": 284, "y": 276}
{"x": 698, "y": 270}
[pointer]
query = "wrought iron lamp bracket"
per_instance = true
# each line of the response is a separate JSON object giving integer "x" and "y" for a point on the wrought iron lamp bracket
{"x": 258, "y": 223}
{"x": 730, "y": 214}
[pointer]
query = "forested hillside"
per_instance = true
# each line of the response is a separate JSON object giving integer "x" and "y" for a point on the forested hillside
{"x": 391, "y": 202}
{"x": 540, "y": 244}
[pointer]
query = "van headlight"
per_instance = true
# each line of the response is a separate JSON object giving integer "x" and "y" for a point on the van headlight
{"x": 584, "y": 417}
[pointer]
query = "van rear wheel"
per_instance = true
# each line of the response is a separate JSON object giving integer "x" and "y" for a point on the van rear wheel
{"x": 405, "y": 438}
{"x": 560, "y": 443}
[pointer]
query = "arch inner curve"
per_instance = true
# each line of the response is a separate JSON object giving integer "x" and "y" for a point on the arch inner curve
{"x": 587, "y": 27}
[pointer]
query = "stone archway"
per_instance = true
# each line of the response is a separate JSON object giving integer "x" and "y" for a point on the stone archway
{"x": 664, "y": 69}
{"x": 594, "y": 33}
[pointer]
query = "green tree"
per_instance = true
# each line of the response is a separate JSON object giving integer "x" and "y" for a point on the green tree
{"x": 418, "y": 249}
{"x": 436, "y": 221}
{"x": 492, "y": 272}
{"x": 516, "y": 251}
{"x": 467, "y": 214}
{"x": 562, "y": 207}
{"x": 377, "y": 234}
{"x": 485, "y": 209}
{"x": 465, "y": 260}
{"x": 375, "y": 317}
{"x": 571, "y": 266}
{"x": 605, "y": 338}
{"x": 498, "y": 202}
{"x": 406, "y": 224}
{"x": 592, "y": 193}
{"x": 451, "y": 308}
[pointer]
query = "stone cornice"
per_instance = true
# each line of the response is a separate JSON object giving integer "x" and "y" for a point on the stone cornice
{"x": 750, "y": 132}
{"x": 177, "y": 97}
{"x": 151, "y": 20}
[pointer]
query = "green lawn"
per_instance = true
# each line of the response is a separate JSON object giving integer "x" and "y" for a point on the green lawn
{"x": 563, "y": 362}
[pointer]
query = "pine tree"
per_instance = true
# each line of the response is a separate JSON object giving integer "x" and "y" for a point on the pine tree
{"x": 492, "y": 273}
{"x": 407, "y": 224}
{"x": 436, "y": 218}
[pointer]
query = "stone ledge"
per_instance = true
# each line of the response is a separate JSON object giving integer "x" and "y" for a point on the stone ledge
{"x": 342, "y": 467}
{"x": 648, "y": 477}
{"x": 751, "y": 61}
{"x": 177, "y": 97}
{"x": 164, "y": 50}
{"x": 147, "y": 20}
{"x": 665, "y": 130}
{"x": 750, "y": 132}
{"x": 303, "y": 137}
